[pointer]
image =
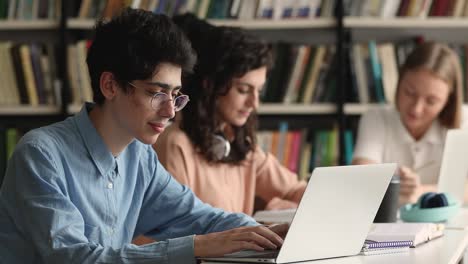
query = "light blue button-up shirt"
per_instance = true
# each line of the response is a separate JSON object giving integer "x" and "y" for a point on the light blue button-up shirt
{"x": 66, "y": 199}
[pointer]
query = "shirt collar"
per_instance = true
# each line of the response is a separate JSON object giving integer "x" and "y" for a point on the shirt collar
{"x": 434, "y": 135}
{"x": 94, "y": 144}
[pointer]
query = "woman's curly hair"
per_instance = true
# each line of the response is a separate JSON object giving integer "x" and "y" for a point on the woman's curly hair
{"x": 223, "y": 53}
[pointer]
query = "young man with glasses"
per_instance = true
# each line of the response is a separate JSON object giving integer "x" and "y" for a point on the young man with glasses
{"x": 79, "y": 190}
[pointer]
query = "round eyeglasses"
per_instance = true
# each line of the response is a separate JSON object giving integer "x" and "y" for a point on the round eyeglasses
{"x": 158, "y": 99}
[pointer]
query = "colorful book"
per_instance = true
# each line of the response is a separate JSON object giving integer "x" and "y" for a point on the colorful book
{"x": 11, "y": 140}
{"x": 389, "y": 67}
{"x": 18, "y": 70}
{"x": 376, "y": 71}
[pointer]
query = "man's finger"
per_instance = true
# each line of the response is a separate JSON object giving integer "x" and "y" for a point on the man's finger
{"x": 255, "y": 238}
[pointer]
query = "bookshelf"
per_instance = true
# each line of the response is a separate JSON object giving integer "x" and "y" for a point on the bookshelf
{"x": 35, "y": 33}
{"x": 397, "y": 30}
{"x": 267, "y": 29}
{"x": 301, "y": 31}
{"x": 69, "y": 29}
{"x": 337, "y": 29}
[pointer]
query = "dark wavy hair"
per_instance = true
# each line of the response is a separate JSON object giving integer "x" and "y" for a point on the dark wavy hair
{"x": 223, "y": 53}
{"x": 132, "y": 45}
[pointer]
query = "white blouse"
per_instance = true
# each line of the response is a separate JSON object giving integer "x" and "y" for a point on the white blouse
{"x": 383, "y": 138}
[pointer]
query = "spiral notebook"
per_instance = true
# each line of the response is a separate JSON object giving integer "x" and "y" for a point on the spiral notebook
{"x": 372, "y": 247}
{"x": 380, "y": 251}
{"x": 372, "y": 244}
{"x": 417, "y": 233}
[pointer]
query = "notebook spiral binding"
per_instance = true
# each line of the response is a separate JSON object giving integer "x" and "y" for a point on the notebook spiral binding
{"x": 368, "y": 244}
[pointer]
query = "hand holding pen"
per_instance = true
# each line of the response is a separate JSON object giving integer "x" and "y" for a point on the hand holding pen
{"x": 410, "y": 181}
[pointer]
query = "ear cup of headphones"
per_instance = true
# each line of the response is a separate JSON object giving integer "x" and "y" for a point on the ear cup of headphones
{"x": 439, "y": 200}
{"x": 221, "y": 147}
{"x": 433, "y": 200}
{"x": 424, "y": 199}
{"x": 431, "y": 207}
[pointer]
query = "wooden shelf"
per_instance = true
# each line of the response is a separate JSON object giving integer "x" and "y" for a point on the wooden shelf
{"x": 276, "y": 24}
{"x": 87, "y": 24}
{"x": 74, "y": 108}
{"x": 350, "y": 22}
{"x": 359, "y": 109}
{"x": 296, "y": 109}
{"x": 40, "y": 24}
{"x": 29, "y": 110}
{"x": 405, "y": 22}
{"x": 270, "y": 109}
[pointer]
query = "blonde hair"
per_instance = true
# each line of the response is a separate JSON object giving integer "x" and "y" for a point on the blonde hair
{"x": 443, "y": 63}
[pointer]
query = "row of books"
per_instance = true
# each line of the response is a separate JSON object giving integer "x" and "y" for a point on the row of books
{"x": 303, "y": 150}
{"x": 261, "y": 9}
{"x": 374, "y": 69}
{"x": 237, "y": 9}
{"x": 299, "y": 150}
{"x": 78, "y": 75}
{"x": 28, "y": 74}
{"x": 29, "y": 9}
{"x": 279, "y": 9}
{"x": 301, "y": 74}
{"x": 214, "y": 9}
{"x": 406, "y": 8}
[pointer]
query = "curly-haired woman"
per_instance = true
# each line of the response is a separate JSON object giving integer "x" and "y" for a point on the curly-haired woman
{"x": 212, "y": 146}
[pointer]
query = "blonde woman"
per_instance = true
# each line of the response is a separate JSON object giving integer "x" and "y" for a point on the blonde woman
{"x": 428, "y": 103}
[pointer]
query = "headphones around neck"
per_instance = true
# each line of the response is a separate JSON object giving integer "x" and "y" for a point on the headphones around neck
{"x": 221, "y": 147}
{"x": 430, "y": 207}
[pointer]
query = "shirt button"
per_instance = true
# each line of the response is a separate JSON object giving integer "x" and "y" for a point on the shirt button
{"x": 110, "y": 185}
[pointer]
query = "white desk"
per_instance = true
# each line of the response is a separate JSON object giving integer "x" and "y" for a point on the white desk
{"x": 459, "y": 221}
{"x": 448, "y": 249}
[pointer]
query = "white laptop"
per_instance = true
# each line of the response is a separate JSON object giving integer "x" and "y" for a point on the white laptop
{"x": 454, "y": 167}
{"x": 333, "y": 217}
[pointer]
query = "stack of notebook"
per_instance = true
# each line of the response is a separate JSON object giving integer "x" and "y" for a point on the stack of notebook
{"x": 386, "y": 238}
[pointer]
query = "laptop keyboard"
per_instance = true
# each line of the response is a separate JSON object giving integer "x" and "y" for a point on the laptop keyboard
{"x": 255, "y": 254}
